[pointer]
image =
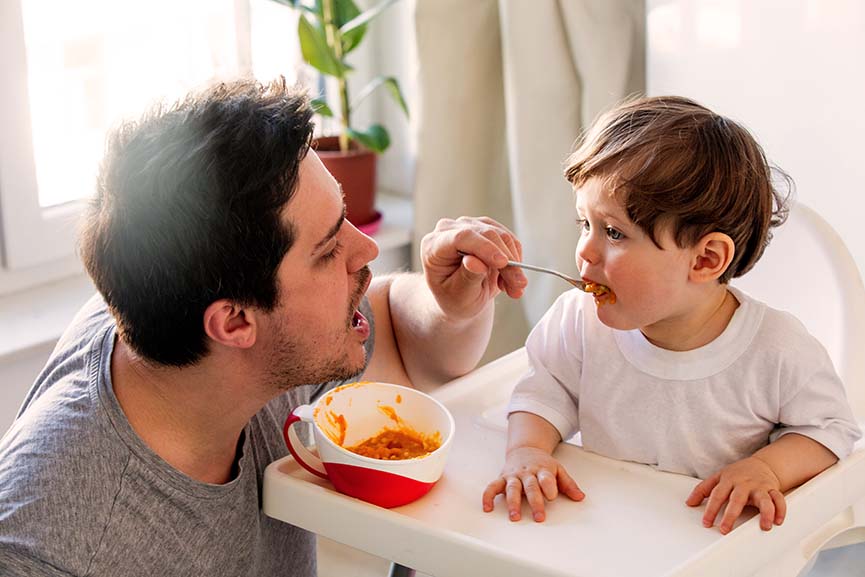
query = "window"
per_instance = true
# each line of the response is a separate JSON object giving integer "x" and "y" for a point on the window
{"x": 70, "y": 70}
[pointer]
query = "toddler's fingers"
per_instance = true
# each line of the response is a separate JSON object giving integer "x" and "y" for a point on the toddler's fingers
{"x": 514, "y": 498}
{"x": 780, "y": 506}
{"x": 548, "y": 484}
{"x": 702, "y": 491}
{"x": 493, "y": 489}
{"x": 764, "y": 502}
{"x": 568, "y": 486}
{"x": 717, "y": 498}
{"x": 735, "y": 505}
{"x": 532, "y": 490}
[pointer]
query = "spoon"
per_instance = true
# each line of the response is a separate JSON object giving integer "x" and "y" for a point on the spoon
{"x": 577, "y": 282}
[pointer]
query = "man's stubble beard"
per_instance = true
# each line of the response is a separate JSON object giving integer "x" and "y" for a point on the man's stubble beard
{"x": 289, "y": 368}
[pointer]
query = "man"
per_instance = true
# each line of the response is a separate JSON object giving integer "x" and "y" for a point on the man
{"x": 232, "y": 289}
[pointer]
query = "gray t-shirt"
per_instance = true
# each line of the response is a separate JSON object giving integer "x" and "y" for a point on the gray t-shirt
{"x": 81, "y": 494}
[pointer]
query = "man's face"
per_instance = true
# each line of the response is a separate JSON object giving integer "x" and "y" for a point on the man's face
{"x": 315, "y": 333}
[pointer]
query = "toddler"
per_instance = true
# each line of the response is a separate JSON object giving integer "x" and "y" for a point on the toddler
{"x": 666, "y": 364}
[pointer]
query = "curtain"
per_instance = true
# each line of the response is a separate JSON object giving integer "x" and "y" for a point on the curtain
{"x": 506, "y": 87}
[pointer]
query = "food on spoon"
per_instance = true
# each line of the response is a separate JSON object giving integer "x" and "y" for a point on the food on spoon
{"x": 603, "y": 295}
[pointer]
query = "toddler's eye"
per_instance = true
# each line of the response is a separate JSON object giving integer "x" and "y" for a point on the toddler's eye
{"x": 583, "y": 225}
{"x": 614, "y": 234}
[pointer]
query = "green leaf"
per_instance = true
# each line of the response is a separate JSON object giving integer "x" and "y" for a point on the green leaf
{"x": 320, "y": 107}
{"x": 298, "y": 5}
{"x": 361, "y": 19}
{"x": 374, "y": 138}
{"x": 392, "y": 86}
{"x": 346, "y": 11}
{"x": 315, "y": 50}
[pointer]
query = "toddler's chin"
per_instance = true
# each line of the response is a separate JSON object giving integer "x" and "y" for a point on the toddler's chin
{"x": 612, "y": 320}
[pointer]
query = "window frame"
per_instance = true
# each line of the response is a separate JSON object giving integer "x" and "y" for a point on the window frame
{"x": 32, "y": 235}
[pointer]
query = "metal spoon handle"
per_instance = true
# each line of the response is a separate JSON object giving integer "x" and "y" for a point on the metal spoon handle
{"x": 575, "y": 282}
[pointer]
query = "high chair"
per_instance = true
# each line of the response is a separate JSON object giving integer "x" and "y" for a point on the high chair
{"x": 808, "y": 271}
{"x": 634, "y": 520}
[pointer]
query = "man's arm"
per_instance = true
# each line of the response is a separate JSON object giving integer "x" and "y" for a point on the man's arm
{"x": 435, "y": 327}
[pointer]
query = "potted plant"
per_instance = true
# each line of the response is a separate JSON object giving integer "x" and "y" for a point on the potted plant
{"x": 329, "y": 30}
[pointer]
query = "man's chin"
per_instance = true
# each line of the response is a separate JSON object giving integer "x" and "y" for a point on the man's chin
{"x": 349, "y": 371}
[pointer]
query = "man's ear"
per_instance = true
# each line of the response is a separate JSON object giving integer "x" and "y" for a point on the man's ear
{"x": 229, "y": 324}
{"x": 712, "y": 254}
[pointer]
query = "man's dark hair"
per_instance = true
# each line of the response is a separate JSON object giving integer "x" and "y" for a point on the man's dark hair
{"x": 187, "y": 211}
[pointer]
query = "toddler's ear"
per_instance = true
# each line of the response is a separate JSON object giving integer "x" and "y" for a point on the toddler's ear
{"x": 711, "y": 256}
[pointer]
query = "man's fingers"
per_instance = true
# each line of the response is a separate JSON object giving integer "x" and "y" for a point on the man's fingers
{"x": 493, "y": 489}
{"x": 474, "y": 265}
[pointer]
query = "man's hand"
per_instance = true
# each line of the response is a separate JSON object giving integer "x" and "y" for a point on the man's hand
{"x": 465, "y": 262}
{"x": 534, "y": 473}
{"x": 747, "y": 482}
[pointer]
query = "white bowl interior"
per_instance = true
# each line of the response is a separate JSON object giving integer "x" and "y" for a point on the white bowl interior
{"x": 367, "y": 410}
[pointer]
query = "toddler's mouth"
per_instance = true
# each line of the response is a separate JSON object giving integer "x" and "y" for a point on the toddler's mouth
{"x": 602, "y": 293}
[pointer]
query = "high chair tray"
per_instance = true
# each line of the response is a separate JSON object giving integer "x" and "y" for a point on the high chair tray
{"x": 634, "y": 520}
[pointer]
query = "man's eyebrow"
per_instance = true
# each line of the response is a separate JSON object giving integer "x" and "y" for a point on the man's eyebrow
{"x": 331, "y": 233}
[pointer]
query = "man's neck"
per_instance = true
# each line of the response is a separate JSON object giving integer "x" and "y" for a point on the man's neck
{"x": 191, "y": 417}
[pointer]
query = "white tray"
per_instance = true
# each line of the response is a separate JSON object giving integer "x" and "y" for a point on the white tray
{"x": 634, "y": 520}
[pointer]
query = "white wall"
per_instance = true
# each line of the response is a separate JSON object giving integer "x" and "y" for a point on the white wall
{"x": 793, "y": 72}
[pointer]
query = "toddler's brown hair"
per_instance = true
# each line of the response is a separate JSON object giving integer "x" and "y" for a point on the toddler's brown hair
{"x": 673, "y": 162}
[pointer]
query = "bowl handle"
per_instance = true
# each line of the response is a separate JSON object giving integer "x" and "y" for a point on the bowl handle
{"x": 297, "y": 449}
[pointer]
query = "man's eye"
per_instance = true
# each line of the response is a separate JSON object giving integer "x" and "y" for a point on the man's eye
{"x": 332, "y": 254}
{"x": 614, "y": 234}
{"x": 583, "y": 225}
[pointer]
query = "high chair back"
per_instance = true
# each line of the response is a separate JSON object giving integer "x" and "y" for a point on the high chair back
{"x": 808, "y": 271}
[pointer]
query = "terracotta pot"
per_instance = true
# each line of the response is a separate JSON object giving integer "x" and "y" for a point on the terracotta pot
{"x": 355, "y": 171}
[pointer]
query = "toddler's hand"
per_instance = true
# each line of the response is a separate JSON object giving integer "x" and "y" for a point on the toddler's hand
{"x": 536, "y": 474}
{"x": 746, "y": 482}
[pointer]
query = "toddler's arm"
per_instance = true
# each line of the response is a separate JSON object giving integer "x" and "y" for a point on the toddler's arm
{"x": 760, "y": 480}
{"x": 530, "y": 468}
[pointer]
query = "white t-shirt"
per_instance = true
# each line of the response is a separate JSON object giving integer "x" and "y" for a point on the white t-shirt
{"x": 690, "y": 412}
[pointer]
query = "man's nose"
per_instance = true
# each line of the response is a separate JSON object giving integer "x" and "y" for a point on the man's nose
{"x": 364, "y": 250}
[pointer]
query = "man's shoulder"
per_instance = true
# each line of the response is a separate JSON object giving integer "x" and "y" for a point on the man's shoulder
{"x": 60, "y": 468}
{"x": 54, "y": 443}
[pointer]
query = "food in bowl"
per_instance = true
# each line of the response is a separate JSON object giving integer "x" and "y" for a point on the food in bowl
{"x": 408, "y": 445}
{"x": 393, "y": 444}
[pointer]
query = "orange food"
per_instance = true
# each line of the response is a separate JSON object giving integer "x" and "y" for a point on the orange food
{"x": 401, "y": 442}
{"x": 396, "y": 444}
{"x": 603, "y": 295}
{"x": 337, "y": 421}
{"x": 391, "y": 413}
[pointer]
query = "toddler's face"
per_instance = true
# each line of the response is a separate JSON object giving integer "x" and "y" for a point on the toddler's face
{"x": 650, "y": 283}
